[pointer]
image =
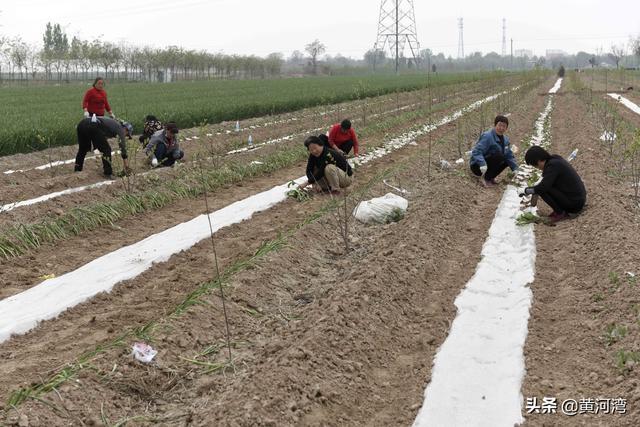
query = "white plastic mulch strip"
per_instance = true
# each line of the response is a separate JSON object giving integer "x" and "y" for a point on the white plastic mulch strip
{"x": 53, "y": 164}
{"x": 11, "y": 206}
{"x": 22, "y": 312}
{"x": 624, "y": 101}
{"x": 556, "y": 87}
{"x": 478, "y": 371}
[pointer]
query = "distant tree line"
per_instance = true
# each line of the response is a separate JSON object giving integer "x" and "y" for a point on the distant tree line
{"x": 62, "y": 59}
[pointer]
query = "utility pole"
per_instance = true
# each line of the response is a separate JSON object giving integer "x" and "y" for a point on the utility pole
{"x": 504, "y": 37}
{"x": 511, "y": 54}
{"x": 397, "y": 36}
{"x": 397, "y": 28}
{"x": 460, "y": 40}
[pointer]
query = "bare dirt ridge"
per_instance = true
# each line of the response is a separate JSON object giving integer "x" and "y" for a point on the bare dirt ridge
{"x": 570, "y": 352}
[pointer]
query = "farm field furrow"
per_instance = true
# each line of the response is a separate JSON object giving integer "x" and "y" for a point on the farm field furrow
{"x": 270, "y": 327}
{"x": 583, "y": 328}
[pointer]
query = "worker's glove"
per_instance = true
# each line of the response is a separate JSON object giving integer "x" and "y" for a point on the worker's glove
{"x": 483, "y": 169}
{"x": 86, "y": 115}
{"x": 527, "y": 192}
{"x": 113, "y": 116}
{"x": 154, "y": 162}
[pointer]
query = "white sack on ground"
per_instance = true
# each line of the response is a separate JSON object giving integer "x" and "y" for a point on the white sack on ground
{"x": 380, "y": 209}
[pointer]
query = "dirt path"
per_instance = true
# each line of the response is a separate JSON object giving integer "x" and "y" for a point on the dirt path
{"x": 581, "y": 290}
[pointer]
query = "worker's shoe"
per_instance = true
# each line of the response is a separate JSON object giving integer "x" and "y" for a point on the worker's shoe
{"x": 557, "y": 217}
{"x": 487, "y": 184}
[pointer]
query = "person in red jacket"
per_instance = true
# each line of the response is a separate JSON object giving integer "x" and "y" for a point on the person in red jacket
{"x": 342, "y": 138}
{"x": 95, "y": 100}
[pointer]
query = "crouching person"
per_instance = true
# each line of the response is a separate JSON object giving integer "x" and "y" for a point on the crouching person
{"x": 327, "y": 169}
{"x": 151, "y": 126}
{"x": 561, "y": 187}
{"x": 163, "y": 147}
{"x": 95, "y": 133}
{"x": 492, "y": 154}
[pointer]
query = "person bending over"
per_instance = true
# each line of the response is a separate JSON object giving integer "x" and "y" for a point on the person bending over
{"x": 95, "y": 133}
{"x": 343, "y": 138}
{"x": 492, "y": 154}
{"x": 561, "y": 187}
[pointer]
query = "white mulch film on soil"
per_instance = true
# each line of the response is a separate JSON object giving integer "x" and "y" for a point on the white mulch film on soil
{"x": 478, "y": 371}
{"x": 22, "y": 312}
{"x": 627, "y": 103}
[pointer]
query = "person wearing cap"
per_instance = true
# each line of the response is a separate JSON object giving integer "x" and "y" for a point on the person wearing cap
{"x": 95, "y": 132}
{"x": 561, "y": 187}
{"x": 492, "y": 154}
{"x": 163, "y": 147}
{"x": 327, "y": 169}
{"x": 342, "y": 138}
{"x": 95, "y": 100}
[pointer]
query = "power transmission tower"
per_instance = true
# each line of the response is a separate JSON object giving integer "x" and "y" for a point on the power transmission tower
{"x": 504, "y": 37}
{"x": 396, "y": 28}
{"x": 460, "y": 40}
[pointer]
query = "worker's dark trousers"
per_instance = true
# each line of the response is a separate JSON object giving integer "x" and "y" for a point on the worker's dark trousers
{"x": 90, "y": 134}
{"x": 346, "y": 146}
{"x": 496, "y": 163}
{"x": 560, "y": 203}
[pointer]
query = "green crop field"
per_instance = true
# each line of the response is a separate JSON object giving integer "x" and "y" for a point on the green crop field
{"x": 40, "y": 116}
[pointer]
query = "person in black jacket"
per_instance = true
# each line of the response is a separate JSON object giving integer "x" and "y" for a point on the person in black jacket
{"x": 327, "y": 169}
{"x": 561, "y": 187}
{"x": 94, "y": 132}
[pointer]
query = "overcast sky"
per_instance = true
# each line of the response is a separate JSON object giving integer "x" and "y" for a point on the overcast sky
{"x": 345, "y": 26}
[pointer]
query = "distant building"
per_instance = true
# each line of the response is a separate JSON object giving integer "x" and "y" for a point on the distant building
{"x": 555, "y": 53}
{"x": 523, "y": 53}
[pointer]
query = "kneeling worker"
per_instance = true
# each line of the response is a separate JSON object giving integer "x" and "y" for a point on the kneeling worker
{"x": 163, "y": 147}
{"x": 327, "y": 169}
{"x": 561, "y": 187}
{"x": 492, "y": 154}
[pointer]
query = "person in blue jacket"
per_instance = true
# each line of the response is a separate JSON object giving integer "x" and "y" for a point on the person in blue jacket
{"x": 492, "y": 154}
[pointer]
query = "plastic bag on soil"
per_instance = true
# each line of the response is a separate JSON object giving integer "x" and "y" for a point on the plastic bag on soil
{"x": 381, "y": 210}
{"x": 143, "y": 352}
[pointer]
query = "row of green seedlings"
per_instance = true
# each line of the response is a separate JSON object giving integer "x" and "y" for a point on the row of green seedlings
{"x": 20, "y": 239}
{"x": 197, "y": 297}
{"x": 624, "y": 360}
